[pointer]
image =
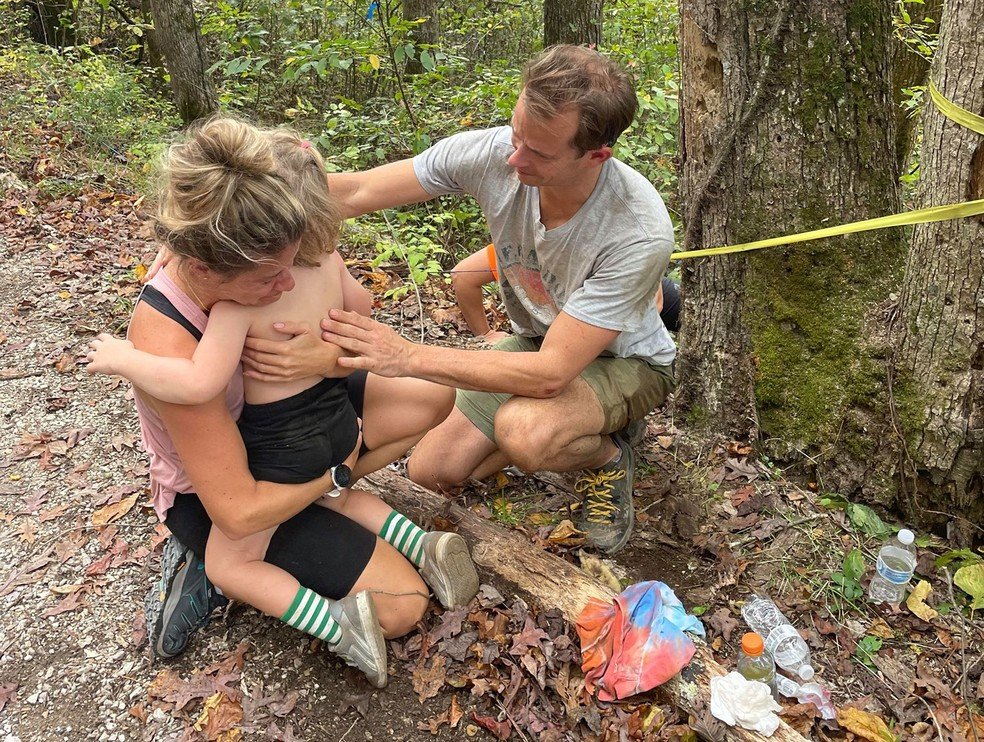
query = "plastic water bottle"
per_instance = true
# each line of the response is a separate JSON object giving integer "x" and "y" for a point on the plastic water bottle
{"x": 896, "y": 563}
{"x": 782, "y": 640}
{"x": 807, "y": 693}
{"x": 754, "y": 663}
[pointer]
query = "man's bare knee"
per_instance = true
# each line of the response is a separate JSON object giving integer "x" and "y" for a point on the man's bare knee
{"x": 524, "y": 436}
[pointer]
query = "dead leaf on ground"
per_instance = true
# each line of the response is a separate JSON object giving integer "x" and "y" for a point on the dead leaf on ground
{"x": 500, "y": 729}
{"x": 916, "y": 602}
{"x": 71, "y": 602}
{"x": 219, "y": 718}
{"x": 566, "y": 534}
{"x": 8, "y": 693}
{"x": 428, "y": 681}
{"x": 865, "y": 725}
{"x": 741, "y": 494}
{"x": 28, "y": 532}
{"x": 880, "y": 628}
{"x": 108, "y": 514}
{"x": 722, "y": 622}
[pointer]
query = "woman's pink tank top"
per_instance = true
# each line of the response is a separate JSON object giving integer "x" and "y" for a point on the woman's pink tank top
{"x": 167, "y": 474}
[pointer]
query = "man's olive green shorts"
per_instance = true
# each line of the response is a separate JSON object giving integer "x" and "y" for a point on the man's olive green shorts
{"x": 627, "y": 388}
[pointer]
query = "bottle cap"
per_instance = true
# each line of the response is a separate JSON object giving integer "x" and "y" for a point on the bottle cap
{"x": 906, "y": 536}
{"x": 806, "y": 672}
{"x": 751, "y": 644}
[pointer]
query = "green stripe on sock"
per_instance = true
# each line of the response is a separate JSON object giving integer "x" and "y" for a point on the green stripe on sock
{"x": 311, "y": 613}
{"x": 405, "y": 536}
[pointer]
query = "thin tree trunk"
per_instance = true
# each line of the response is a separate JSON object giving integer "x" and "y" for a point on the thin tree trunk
{"x": 787, "y": 124}
{"x": 572, "y": 22}
{"x": 939, "y": 390}
{"x": 427, "y": 33}
{"x": 181, "y": 43}
{"x": 155, "y": 57}
{"x": 52, "y": 22}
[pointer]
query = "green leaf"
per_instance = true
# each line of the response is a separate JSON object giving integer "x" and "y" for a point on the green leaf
{"x": 867, "y": 647}
{"x": 866, "y": 520}
{"x": 427, "y": 60}
{"x": 970, "y": 579}
{"x": 965, "y": 557}
{"x": 834, "y": 501}
{"x": 854, "y": 565}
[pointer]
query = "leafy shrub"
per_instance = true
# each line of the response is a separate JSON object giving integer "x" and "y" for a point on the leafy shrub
{"x": 108, "y": 121}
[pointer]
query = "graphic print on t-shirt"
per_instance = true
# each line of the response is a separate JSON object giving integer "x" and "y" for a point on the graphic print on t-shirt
{"x": 527, "y": 285}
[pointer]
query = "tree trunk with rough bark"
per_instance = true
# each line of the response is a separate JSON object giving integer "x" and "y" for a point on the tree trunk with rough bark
{"x": 938, "y": 388}
{"x": 572, "y": 22}
{"x": 177, "y": 34}
{"x": 787, "y": 125}
{"x": 427, "y": 33}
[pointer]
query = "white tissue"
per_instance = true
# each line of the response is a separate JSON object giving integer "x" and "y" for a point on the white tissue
{"x": 747, "y": 703}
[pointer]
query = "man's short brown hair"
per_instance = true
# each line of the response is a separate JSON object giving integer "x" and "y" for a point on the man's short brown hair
{"x": 565, "y": 76}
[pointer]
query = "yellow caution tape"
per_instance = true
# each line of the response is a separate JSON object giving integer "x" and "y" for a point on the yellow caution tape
{"x": 954, "y": 112}
{"x": 921, "y": 216}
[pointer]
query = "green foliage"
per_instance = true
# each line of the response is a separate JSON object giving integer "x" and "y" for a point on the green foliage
{"x": 847, "y": 581}
{"x": 959, "y": 558}
{"x": 915, "y": 30}
{"x": 107, "y": 120}
{"x": 415, "y": 247}
{"x": 338, "y": 75}
{"x": 862, "y": 517}
{"x": 867, "y": 648}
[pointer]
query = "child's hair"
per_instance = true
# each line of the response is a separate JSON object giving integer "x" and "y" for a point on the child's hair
{"x": 301, "y": 166}
{"x": 224, "y": 200}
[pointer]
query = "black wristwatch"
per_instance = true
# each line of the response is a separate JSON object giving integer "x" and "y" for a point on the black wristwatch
{"x": 341, "y": 476}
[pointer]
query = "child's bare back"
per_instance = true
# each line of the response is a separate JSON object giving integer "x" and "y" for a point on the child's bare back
{"x": 316, "y": 290}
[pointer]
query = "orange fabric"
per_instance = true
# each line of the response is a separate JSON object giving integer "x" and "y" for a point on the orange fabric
{"x": 490, "y": 251}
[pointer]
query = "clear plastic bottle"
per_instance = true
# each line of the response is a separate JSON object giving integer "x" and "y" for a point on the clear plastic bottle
{"x": 754, "y": 663}
{"x": 782, "y": 641}
{"x": 895, "y": 566}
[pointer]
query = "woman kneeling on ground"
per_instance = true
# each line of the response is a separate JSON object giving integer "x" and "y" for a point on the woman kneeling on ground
{"x": 246, "y": 212}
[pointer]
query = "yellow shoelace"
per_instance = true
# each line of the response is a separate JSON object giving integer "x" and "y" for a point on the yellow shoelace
{"x": 598, "y": 485}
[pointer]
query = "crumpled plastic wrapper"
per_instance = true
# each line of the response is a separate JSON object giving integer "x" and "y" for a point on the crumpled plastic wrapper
{"x": 745, "y": 703}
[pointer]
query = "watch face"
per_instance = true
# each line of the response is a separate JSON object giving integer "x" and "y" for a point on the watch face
{"x": 341, "y": 475}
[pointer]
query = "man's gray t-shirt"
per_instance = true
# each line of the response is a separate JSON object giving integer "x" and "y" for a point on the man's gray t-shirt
{"x": 602, "y": 267}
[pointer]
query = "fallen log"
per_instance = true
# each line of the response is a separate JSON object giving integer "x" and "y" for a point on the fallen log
{"x": 553, "y": 583}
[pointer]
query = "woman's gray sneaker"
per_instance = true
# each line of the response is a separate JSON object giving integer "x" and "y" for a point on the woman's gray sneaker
{"x": 362, "y": 644}
{"x": 182, "y": 601}
{"x": 448, "y": 569}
